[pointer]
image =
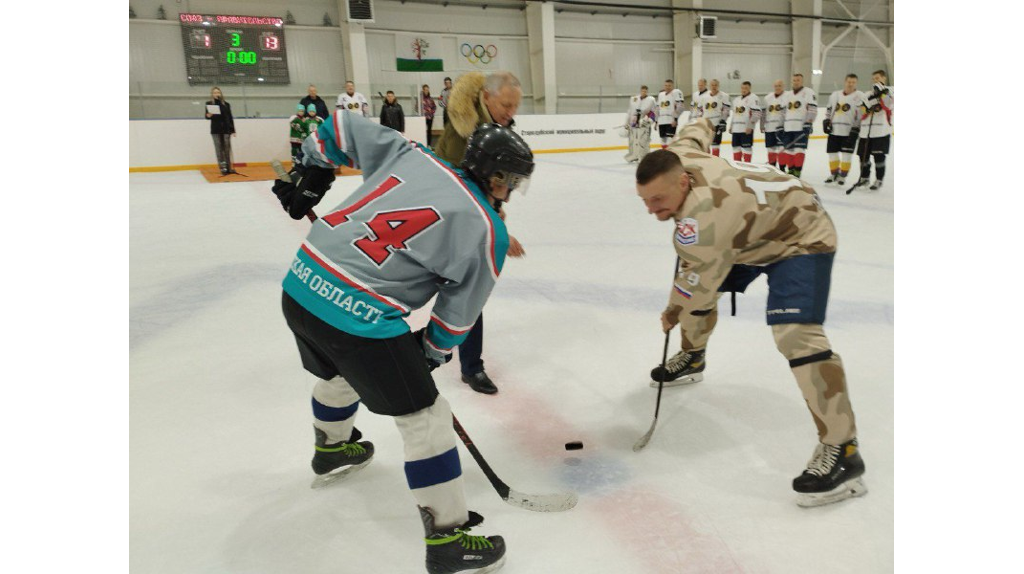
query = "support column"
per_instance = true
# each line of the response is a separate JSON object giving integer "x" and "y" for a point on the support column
{"x": 353, "y": 44}
{"x": 807, "y": 42}
{"x": 540, "y": 30}
{"x": 687, "y": 65}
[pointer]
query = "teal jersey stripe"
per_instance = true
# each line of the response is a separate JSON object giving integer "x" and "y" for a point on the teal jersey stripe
{"x": 330, "y": 143}
{"x": 339, "y": 304}
{"x": 442, "y": 338}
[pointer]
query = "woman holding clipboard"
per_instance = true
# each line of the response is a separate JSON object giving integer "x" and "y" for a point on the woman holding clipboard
{"x": 222, "y": 128}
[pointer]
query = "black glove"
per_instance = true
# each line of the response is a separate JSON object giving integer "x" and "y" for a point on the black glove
{"x": 720, "y": 128}
{"x": 854, "y": 134}
{"x": 879, "y": 89}
{"x": 827, "y": 125}
{"x": 808, "y": 128}
{"x": 308, "y": 186}
{"x": 434, "y": 358}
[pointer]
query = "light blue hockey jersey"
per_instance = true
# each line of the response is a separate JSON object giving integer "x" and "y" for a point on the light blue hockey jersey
{"x": 416, "y": 228}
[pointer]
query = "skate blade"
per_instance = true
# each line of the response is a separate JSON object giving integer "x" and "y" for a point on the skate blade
{"x": 687, "y": 380}
{"x": 489, "y": 568}
{"x": 332, "y": 477}
{"x": 849, "y": 489}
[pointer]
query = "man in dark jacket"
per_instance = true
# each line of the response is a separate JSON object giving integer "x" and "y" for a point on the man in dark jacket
{"x": 312, "y": 98}
{"x": 391, "y": 114}
{"x": 477, "y": 99}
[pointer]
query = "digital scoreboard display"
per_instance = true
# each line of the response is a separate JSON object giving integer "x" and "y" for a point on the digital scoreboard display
{"x": 234, "y": 49}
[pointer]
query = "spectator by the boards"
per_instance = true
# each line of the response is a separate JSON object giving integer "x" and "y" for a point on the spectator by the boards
{"x": 313, "y": 98}
{"x": 391, "y": 114}
{"x": 222, "y": 128}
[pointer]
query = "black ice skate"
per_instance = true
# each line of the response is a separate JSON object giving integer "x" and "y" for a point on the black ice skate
{"x": 454, "y": 550}
{"x": 876, "y": 186}
{"x": 333, "y": 462}
{"x": 833, "y": 474}
{"x": 832, "y": 179}
{"x": 684, "y": 368}
{"x": 841, "y": 180}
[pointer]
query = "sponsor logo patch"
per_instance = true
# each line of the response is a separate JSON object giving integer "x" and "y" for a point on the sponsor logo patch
{"x": 687, "y": 231}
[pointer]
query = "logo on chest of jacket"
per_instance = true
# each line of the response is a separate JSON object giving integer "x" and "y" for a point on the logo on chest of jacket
{"x": 687, "y": 231}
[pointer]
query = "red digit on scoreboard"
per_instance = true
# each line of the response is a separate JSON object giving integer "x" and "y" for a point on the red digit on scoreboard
{"x": 270, "y": 42}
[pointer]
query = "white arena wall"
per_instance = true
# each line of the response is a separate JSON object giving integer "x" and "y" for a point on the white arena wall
{"x": 157, "y": 145}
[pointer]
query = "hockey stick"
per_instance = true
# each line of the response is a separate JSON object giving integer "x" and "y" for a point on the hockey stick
{"x": 536, "y": 502}
{"x": 283, "y": 176}
{"x": 640, "y": 444}
{"x": 864, "y": 157}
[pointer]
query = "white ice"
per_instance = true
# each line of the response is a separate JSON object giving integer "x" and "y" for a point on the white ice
{"x": 220, "y": 420}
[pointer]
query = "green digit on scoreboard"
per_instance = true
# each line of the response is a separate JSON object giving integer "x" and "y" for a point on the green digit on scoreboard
{"x": 236, "y": 40}
{"x": 231, "y": 57}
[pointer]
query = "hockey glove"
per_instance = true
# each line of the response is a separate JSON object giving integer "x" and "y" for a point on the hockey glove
{"x": 808, "y": 128}
{"x": 854, "y": 134}
{"x": 720, "y": 128}
{"x": 880, "y": 89}
{"x": 309, "y": 184}
{"x": 827, "y": 126}
{"x": 434, "y": 357}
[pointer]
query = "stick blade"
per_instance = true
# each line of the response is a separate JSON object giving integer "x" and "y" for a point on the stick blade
{"x": 640, "y": 444}
{"x": 559, "y": 502}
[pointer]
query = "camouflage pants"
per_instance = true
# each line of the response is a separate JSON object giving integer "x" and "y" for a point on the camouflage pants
{"x": 818, "y": 371}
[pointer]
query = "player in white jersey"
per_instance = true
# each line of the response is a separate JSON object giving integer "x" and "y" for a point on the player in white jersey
{"x": 714, "y": 106}
{"x": 841, "y": 126}
{"x": 670, "y": 106}
{"x": 702, "y": 88}
{"x": 746, "y": 113}
{"x": 771, "y": 123}
{"x": 353, "y": 101}
{"x": 801, "y": 109}
{"x": 639, "y": 119}
{"x": 876, "y": 129}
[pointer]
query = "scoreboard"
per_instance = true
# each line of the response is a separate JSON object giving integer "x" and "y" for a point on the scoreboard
{"x": 234, "y": 49}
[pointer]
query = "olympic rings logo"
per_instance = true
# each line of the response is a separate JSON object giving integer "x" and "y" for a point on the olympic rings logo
{"x": 479, "y": 53}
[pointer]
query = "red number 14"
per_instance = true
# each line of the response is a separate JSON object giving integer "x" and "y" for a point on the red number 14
{"x": 390, "y": 231}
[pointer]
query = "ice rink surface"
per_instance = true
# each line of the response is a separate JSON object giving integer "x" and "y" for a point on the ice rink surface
{"x": 221, "y": 430}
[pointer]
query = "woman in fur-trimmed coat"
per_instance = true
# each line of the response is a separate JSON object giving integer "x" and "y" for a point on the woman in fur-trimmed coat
{"x": 477, "y": 99}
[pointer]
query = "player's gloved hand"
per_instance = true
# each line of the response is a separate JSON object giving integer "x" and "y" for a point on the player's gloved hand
{"x": 827, "y": 126}
{"x": 808, "y": 128}
{"x": 879, "y": 89}
{"x": 669, "y": 319}
{"x": 646, "y": 122}
{"x": 434, "y": 357}
{"x": 720, "y": 128}
{"x": 308, "y": 186}
{"x": 854, "y": 133}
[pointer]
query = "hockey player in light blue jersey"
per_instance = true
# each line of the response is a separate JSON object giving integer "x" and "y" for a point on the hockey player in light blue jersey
{"x": 416, "y": 228}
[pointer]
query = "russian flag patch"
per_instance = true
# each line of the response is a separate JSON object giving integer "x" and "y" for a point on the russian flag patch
{"x": 683, "y": 292}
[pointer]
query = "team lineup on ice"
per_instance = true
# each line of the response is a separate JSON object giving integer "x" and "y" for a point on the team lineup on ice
{"x": 389, "y": 272}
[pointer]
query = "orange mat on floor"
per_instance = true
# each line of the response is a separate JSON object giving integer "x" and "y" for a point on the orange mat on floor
{"x": 258, "y": 172}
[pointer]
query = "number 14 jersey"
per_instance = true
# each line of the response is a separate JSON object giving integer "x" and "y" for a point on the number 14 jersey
{"x": 415, "y": 228}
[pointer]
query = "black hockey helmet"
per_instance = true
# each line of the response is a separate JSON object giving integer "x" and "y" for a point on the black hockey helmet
{"x": 496, "y": 151}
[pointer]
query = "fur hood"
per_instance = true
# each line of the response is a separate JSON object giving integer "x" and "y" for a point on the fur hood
{"x": 465, "y": 106}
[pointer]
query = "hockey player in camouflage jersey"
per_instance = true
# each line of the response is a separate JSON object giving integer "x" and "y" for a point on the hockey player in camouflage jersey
{"x": 733, "y": 222}
{"x": 417, "y": 228}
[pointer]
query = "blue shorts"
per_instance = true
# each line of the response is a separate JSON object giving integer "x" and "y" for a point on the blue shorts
{"x": 797, "y": 287}
{"x": 788, "y": 139}
{"x": 771, "y": 139}
{"x": 742, "y": 139}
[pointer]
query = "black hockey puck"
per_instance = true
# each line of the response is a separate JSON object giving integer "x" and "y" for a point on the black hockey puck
{"x": 575, "y": 445}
